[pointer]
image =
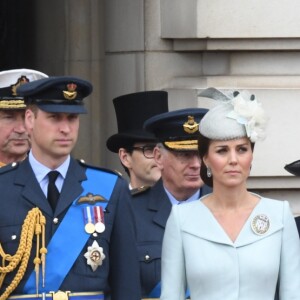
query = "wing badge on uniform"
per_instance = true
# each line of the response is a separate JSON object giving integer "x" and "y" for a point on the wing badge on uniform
{"x": 91, "y": 199}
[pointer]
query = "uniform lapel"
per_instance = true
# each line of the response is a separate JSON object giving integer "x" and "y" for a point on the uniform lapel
{"x": 72, "y": 188}
{"x": 32, "y": 191}
{"x": 160, "y": 203}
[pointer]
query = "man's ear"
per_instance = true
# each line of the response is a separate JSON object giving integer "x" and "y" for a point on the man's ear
{"x": 158, "y": 157}
{"x": 125, "y": 157}
{"x": 29, "y": 119}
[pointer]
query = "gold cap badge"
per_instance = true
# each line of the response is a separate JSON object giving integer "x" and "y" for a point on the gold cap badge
{"x": 190, "y": 126}
{"x": 71, "y": 93}
{"x": 21, "y": 80}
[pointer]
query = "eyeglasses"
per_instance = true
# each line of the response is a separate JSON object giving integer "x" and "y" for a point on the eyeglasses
{"x": 147, "y": 150}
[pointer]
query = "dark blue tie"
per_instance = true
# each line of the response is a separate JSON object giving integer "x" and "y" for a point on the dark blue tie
{"x": 53, "y": 193}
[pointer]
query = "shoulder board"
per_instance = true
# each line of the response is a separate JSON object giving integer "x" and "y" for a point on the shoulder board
{"x": 9, "y": 167}
{"x": 139, "y": 190}
{"x": 82, "y": 162}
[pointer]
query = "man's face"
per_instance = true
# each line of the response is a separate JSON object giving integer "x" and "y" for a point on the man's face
{"x": 53, "y": 135}
{"x": 14, "y": 141}
{"x": 143, "y": 171}
{"x": 180, "y": 171}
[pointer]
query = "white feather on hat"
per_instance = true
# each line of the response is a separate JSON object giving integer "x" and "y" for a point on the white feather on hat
{"x": 236, "y": 116}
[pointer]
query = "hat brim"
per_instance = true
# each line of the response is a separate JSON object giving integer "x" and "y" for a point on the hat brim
{"x": 61, "y": 108}
{"x": 293, "y": 168}
{"x": 123, "y": 140}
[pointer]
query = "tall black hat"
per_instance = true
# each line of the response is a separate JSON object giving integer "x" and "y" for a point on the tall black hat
{"x": 132, "y": 110}
{"x": 179, "y": 129}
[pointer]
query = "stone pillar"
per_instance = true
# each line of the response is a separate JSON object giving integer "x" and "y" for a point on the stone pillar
{"x": 69, "y": 41}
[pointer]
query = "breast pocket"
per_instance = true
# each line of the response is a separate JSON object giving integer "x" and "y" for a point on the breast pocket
{"x": 10, "y": 238}
{"x": 150, "y": 265}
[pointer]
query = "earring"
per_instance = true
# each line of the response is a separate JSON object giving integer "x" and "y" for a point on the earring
{"x": 208, "y": 172}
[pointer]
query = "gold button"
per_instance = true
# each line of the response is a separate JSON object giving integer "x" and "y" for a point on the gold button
{"x": 55, "y": 220}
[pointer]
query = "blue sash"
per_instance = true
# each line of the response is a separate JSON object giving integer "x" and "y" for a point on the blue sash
{"x": 70, "y": 237}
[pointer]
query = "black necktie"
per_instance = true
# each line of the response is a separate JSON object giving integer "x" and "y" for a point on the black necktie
{"x": 53, "y": 193}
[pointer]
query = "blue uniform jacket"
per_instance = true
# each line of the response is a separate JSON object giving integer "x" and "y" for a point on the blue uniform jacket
{"x": 152, "y": 209}
{"x": 118, "y": 275}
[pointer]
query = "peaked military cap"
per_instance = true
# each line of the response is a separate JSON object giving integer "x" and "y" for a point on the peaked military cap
{"x": 132, "y": 110}
{"x": 10, "y": 80}
{"x": 293, "y": 168}
{"x": 177, "y": 130}
{"x": 62, "y": 94}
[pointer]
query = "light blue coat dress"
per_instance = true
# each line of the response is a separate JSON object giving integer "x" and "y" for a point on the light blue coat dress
{"x": 199, "y": 254}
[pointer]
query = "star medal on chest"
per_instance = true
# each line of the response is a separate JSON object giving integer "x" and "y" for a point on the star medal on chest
{"x": 260, "y": 224}
{"x": 94, "y": 256}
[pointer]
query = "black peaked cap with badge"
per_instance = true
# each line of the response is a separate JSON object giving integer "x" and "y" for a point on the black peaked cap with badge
{"x": 178, "y": 130}
{"x": 293, "y": 168}
{"x": 61, "y": 94}
{"x": 132, "y": 110}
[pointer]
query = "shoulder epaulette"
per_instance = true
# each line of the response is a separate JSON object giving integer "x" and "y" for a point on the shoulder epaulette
{"x": 9, "y": 167}
{"x": 139, "y": 190}
{"x": 83, "y": 163}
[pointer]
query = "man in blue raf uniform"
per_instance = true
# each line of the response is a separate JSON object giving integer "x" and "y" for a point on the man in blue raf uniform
{"x": 77, "y": 240}
{"x": 177, "y": 157}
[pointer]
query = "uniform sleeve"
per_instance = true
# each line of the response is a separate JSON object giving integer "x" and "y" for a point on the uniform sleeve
{"x": 124, "y": 268}
{"x": 289, "y": 277}
{"x": 173, "y": 267}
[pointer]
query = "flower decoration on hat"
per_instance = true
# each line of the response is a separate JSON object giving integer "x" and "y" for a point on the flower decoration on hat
{"x": 248, "y": 111}
{"x": 237, "y": 115}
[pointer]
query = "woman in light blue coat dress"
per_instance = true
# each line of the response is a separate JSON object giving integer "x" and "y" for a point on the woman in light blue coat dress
{"x": 232, "y": 244}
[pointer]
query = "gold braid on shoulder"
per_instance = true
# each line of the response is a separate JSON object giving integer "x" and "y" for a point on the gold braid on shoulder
{"x": 34, "y": 224}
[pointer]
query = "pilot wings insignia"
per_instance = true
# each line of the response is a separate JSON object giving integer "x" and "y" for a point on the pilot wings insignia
{"x": 91, "y": 199}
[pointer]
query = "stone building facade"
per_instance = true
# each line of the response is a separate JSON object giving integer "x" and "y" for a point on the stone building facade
{"x": 181, "y": 46}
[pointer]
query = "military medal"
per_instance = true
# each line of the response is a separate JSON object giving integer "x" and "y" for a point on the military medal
{"x": 99, "y": 219}
{"x": 260, "y": 224}
{"x": 94, "y": 256}
{"x": 89, "y": 226}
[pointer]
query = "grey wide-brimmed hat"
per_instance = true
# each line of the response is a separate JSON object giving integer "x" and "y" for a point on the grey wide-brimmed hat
{"x": 235, "y": 116}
